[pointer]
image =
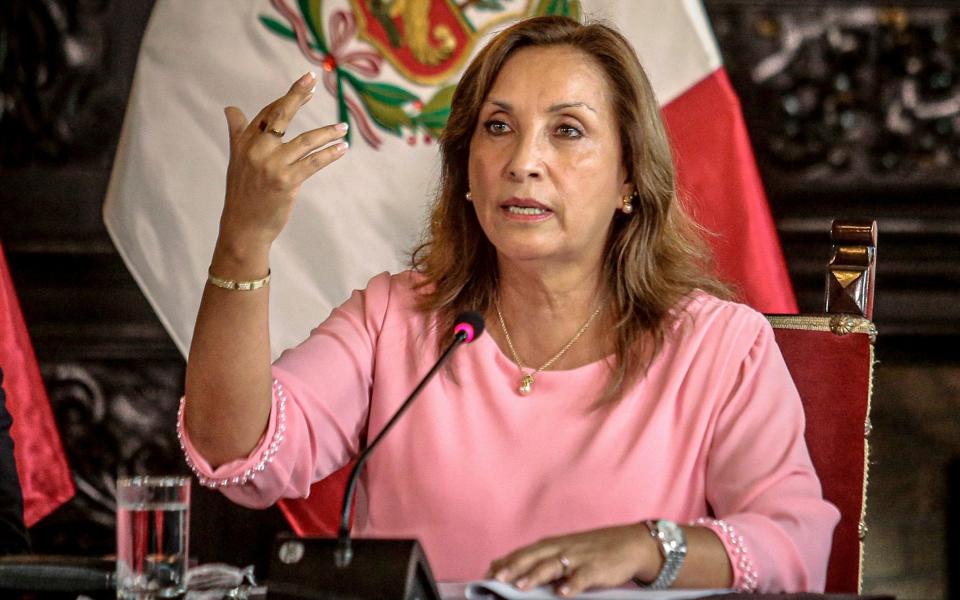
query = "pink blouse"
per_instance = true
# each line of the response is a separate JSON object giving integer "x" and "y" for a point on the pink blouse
{"x": 713, "y": 434}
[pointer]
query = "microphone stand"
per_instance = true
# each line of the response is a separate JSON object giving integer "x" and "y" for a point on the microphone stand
{"x": 315, "y": 568}
{"x": 344, "y": 553}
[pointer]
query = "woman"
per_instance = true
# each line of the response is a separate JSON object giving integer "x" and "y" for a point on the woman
{"x": 615, "y": 399}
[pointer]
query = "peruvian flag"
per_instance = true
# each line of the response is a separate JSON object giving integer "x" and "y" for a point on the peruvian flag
{"x": 717, "y": 174}
{"x": 389, "y": 73}
{"x": 41, "y": 464}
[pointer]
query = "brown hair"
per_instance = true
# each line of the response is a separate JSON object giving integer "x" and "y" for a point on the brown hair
{"x": 654, "y": 258}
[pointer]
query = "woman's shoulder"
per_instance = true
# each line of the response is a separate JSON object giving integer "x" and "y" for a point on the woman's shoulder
{"x": 389, "y": 298}
{"x": 394, "y": 289}
{"x": 702, "y": 311}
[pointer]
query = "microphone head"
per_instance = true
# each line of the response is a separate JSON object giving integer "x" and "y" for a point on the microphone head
{"x": 470, "y": 323}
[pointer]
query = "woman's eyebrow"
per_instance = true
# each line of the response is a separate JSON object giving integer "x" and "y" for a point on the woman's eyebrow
{"x": 565, "y": 105}
{"x": 506, "y": 106}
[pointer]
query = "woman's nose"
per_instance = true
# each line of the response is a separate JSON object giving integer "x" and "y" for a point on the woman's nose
{"x": 526, "y": 159}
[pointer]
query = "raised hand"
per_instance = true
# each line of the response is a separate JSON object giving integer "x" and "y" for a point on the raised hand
{"x": 265, "y": 174}
{"x": 228, "y": 382}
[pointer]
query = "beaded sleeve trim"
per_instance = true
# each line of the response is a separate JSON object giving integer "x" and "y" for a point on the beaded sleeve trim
{"x": 266, "y": 455}
{"x": 740, "y": 554}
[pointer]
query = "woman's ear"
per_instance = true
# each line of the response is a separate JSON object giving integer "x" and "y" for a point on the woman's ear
{"x": 628, "y": 187}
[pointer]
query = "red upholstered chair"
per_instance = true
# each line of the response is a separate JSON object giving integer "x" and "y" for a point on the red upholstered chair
{"x": 831, "y": 359}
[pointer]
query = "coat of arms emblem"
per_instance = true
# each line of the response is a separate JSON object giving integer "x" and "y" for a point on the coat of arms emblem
{"x": 425, "y": 42}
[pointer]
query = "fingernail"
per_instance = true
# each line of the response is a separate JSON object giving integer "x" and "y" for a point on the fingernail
{"x": 307, "y": 78}
{"x": 564, "y": 590}
{"x": 500, "y": 575}
{"x": 343, "y": 126}
{"x": 522, "y": 582}
{"x": 342, "y": 146}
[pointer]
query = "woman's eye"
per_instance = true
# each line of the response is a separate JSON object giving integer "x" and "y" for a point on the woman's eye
{"x": 569, "y": 131}
{"x": 496, "y": 127}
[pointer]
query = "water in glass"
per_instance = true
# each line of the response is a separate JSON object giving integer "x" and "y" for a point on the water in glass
{"x": 152, "y": 535}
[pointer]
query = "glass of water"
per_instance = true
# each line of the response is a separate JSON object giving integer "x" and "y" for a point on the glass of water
{"x": 153, "y": 530}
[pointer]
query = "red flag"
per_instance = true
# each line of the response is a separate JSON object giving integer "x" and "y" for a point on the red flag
{"x": 721, "y": 186}
{"x": 42, "y": 466}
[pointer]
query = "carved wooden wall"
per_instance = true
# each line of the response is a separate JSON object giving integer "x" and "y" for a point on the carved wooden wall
{"x": 112, "y": 373}
{"x": 854, "y": 110}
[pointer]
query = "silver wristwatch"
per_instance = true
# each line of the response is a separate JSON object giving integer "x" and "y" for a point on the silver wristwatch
{"x": 673, "y": 546}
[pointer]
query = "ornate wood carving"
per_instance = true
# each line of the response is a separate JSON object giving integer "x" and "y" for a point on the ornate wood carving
{"x": 854, "y": 113}
{"x": 852, "y": 268}
{"x": 57, "y": 101}
{"x": 851, "y": 94}
{"x": 115, "y": 417}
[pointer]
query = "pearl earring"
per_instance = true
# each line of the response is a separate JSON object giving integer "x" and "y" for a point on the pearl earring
{"x": 468, "y": 196}
{"x": 626, "y": 206}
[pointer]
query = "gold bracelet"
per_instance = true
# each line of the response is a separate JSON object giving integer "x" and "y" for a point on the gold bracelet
{"x": 243, "y": 286}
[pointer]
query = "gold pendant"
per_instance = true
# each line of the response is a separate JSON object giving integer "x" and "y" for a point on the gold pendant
{"x": 526, "y": 385}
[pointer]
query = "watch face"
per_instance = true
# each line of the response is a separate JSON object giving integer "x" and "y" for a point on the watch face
{"x": 671, "y": 534}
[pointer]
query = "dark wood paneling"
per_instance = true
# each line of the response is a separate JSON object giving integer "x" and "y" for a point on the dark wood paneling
{"x": 113, "y": 375}
{"x": 853, "y": 109}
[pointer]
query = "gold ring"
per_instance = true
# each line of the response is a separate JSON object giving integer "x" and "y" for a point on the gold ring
{"x": 565, "y": 563}
{"x": 262, "y": 126}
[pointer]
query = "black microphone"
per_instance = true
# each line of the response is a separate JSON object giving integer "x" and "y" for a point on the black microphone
{"x": 396, "y": 565}
{"x": 467, "y": 327}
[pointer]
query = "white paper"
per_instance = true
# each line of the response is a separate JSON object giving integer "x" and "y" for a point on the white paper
{"x": 497, "y": 590}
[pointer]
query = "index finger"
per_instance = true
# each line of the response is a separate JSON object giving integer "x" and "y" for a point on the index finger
{"x": 277, "y": 115}
{"x": 520, "y": 561}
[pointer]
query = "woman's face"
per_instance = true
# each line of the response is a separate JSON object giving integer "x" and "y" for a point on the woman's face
{"x": 545, "y": 169}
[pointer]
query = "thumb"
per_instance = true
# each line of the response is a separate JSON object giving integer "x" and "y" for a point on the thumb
{"x": 236, "y": 122}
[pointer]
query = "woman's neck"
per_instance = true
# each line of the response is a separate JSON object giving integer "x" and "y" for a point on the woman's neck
{"x": 544, "y": 306}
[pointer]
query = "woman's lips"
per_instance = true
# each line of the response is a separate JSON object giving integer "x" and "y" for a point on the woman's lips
{"x": 525, "y": 209}
{"x": 516, "y": 213}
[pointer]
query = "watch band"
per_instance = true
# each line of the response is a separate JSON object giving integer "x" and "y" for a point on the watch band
{"x": 673, "y": 546}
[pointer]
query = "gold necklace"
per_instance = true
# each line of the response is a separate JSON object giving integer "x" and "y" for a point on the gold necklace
{"x": 526, "y": 379}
